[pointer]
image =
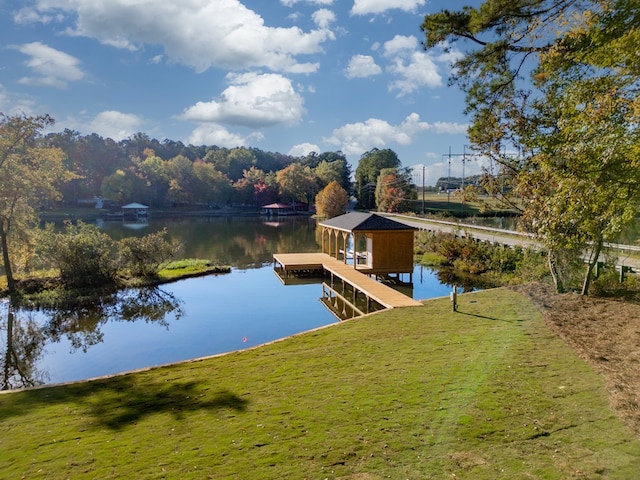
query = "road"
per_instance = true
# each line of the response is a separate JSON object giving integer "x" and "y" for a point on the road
{"x": 627, "y": 255}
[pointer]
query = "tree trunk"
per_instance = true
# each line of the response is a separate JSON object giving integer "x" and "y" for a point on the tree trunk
{"x": 11, "y": 283}
{"x": 555, "y": 275}
{"x": 593, "y": 260}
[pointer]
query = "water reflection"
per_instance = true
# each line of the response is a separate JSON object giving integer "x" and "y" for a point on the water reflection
{"x": 23, "y": 347}
{"x": 27, "y": 331}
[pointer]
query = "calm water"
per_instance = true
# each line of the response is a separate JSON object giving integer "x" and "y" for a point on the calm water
{"x": 183, "y": 320}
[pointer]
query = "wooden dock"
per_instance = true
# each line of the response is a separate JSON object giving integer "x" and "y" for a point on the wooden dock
{"x": 384, "y": 295}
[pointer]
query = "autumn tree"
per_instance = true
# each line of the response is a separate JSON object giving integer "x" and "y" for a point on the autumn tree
{"x": 369, "y": 167}
{"x": 252, "y": 188}
{"x": 332, "y": 200}
{"x": 557, "y": 82}
{"x": 181, "y": 180}
{"x": 30, "y": 174}
{"x": 394, "y": 191}
{"x": 297, "y": 183}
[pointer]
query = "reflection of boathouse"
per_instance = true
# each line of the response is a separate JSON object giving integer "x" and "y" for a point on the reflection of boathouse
{"x": 381, "y": 246}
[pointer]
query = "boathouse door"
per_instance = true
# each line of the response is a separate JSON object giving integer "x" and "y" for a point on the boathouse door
{"x": 369, "y": 251}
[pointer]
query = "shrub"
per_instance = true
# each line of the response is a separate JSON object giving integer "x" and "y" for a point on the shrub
{"x": 465, "y": 254}
{"x": 142, "y": 256}
{"x": 83, "y": 254}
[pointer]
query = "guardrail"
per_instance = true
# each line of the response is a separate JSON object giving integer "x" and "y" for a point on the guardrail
{"x": 415, "y": 221}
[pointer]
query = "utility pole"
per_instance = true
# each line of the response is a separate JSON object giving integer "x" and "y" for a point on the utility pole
{"x": 422, "y": 189}
{"x": 449, "y": 177}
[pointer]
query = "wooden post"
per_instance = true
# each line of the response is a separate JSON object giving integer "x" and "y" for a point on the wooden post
{"x": 454, "y": 298}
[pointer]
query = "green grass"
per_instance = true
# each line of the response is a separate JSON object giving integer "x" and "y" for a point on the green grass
{"x": 414, "y": 393}
{"x": 189, "y": 267}
{"x": 453, "y": 204}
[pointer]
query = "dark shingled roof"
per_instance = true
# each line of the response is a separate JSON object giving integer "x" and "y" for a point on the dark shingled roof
{"x": 354, "y": 221}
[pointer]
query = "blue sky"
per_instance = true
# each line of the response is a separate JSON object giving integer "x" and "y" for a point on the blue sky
{"x": 289, "y": 76}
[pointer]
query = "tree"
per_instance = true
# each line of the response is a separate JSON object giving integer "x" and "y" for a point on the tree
{"x": 118, "y": 186}
{"x": 333, "y": 168}
{"x": 154, "y": 180}
{"x": 575, "y": 120}
{"x": 253, "y": 189}
{"x": 371, "y": 163}
{"x": 332, "y": 201}
{"x": 209, "y": 185}
{"x": 394, "y": 191}
{"x": 181, "y": 179}
{"x": 297, "y": 183}
{"x": 29, "y": 176}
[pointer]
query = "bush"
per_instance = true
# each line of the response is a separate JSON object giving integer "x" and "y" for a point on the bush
{"x": 142, "y": 256}
{"x": 465, "y": 254}
{"x": 83, "y": 254}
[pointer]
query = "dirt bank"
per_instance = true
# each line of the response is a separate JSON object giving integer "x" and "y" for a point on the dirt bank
{"x": 606, "y": 333}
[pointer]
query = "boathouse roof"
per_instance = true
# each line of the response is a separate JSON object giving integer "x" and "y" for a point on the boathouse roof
{"x": 363, "y": 221}
{"x": 134, "y": 205}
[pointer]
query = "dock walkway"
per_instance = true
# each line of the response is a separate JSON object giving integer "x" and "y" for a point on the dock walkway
{"x": 384, "y": 295}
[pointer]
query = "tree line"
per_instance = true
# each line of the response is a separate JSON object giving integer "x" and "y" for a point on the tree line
{"x": 170, "y": 173}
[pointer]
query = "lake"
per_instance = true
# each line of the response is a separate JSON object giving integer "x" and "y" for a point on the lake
{"x": 187, "y": 319}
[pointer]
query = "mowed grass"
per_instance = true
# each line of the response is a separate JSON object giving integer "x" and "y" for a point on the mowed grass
{"x": 415, "y": 393}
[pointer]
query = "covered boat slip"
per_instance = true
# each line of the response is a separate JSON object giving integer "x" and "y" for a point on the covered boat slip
{"x": 292, "y": 264}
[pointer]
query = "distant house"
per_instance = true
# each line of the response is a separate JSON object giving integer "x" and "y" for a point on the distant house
{"x": 135, "y": 210}
{"x": 276, "y": 209}
{"x": 380, "y": 245}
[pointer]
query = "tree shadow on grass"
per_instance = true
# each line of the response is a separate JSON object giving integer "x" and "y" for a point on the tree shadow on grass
{"x": 505, "y": 320}
{"x": 121, "y": 401}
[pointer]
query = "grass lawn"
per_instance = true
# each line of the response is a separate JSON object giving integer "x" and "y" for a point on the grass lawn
{"x": 452, "y": 204}
{"x": 415, "y": 393}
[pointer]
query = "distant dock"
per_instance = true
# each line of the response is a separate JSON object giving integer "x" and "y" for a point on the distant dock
{"x": 292, "y": 264}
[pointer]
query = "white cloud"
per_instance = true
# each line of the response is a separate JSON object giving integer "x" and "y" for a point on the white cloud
{"x": 115, "y": 125}
{"x": 252, "y": 100}
{"x": 399, "y": 43}
{"x": 28, "y": 16}
{"x": 51, "y": 67}
{"x": 11, "y": 104}
{"x": 412, "y": 69}
{"x": 449, "y": 128}
{"x": 304, "y": 149}
{"x": 199, "y": 33}
{"x": 364, "y": 7}
{"x": 213, "y": 134}
{"x": 416, "y": 71}
{"x": 361, "y": 66}
{"x": 323, "y": 18}
{"x": 291, "y": 3}
{"x": 357, "y": 138}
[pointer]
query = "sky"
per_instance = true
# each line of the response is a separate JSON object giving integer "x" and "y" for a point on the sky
{"x": 288, "y": 76}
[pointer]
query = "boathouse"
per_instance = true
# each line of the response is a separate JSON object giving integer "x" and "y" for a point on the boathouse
{"x": 135, "y": 210}
{"x": 376, "y": 245}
